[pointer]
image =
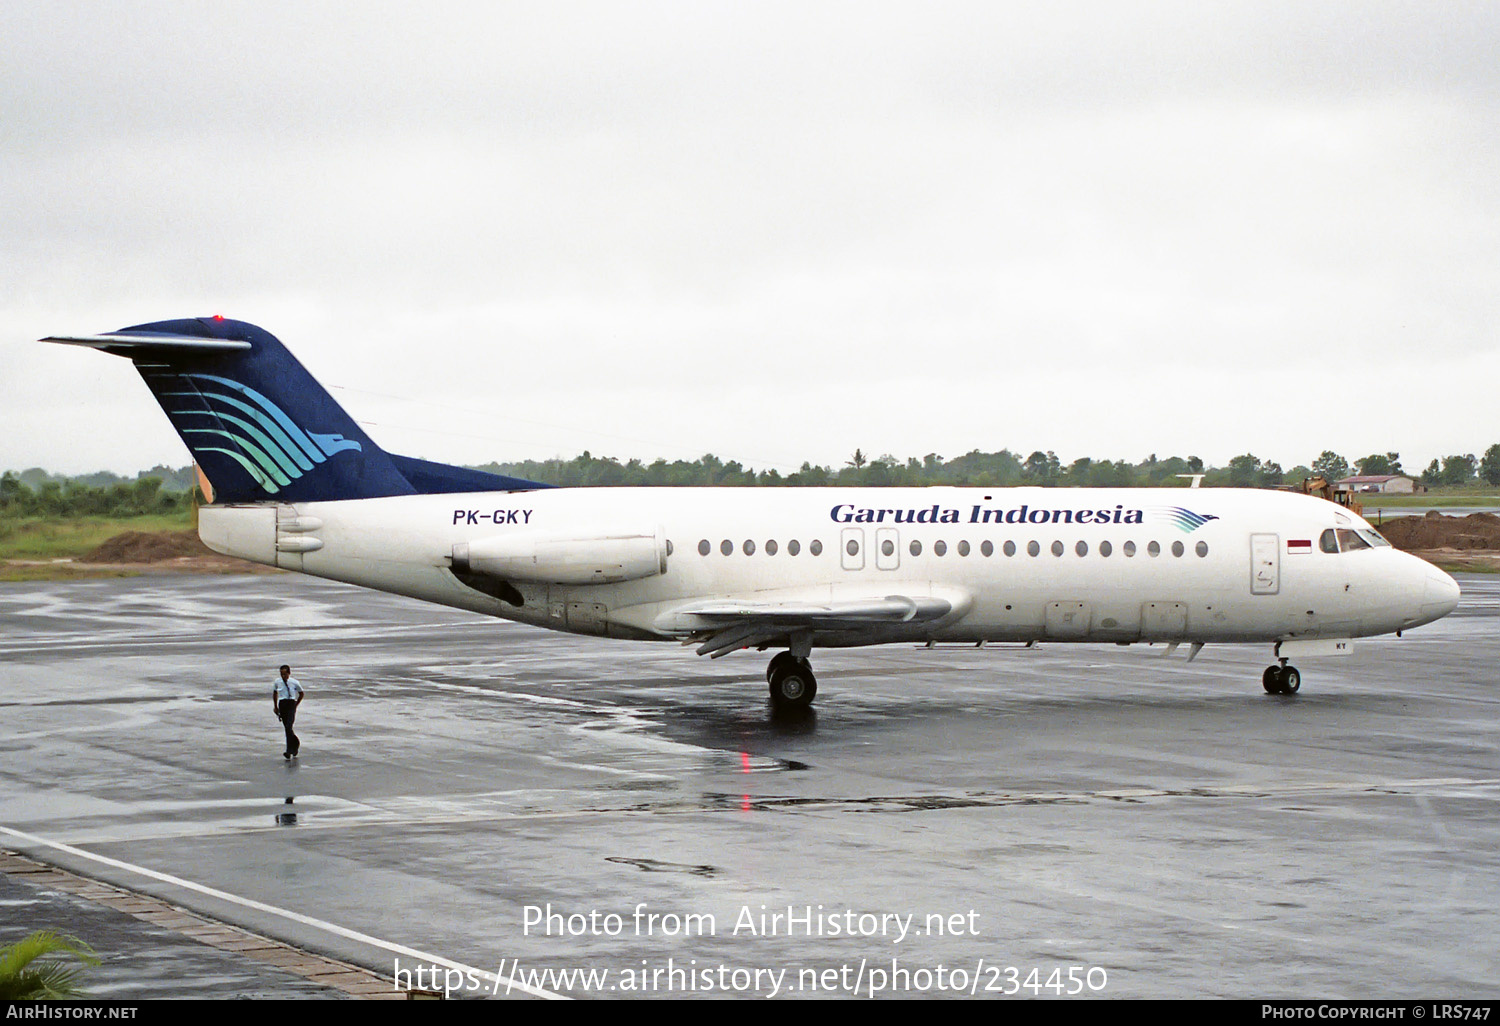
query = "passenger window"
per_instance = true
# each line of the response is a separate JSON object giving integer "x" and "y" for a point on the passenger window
{"x": 1105, "y": 548}
{"x": 1177, "y": 549}
{"x": 1033, "y": 549}
{"x": 915, "y": 547}
{"x": 1153, "y": 549}
{"x": 963, "y": 548}
{"x": 1082, "y": 548}
{"x": 704, "y": 547}
{"x": 1201, "y": 549}
{"x": 749, "y": 547}
{"x": 939, "y": 548}
{"x": 1328, "y": 541}
{"x": 1057, "y": 548}
{"x": 793, "y": 547}
{"x": 669, "y": 546}
{"x": 986, "y": 548}
{"x": 1010, "y": 548}
{"x": 1129, "y": 549}
{"x": 771, "y": 547}
{"x": 852, "y": 548}
{"x": 888, "y": 547}
{"x": 815, "y": 547}
{"x": 726, "y": 546}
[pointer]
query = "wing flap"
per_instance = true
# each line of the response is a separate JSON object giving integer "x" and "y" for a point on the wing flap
{"x": 851, "y": 612}
{"x": 726, "y": 625}
{"x": 723, "y": 642}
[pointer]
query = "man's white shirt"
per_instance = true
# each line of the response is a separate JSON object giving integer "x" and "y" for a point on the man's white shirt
{"x": 288, "y": 689}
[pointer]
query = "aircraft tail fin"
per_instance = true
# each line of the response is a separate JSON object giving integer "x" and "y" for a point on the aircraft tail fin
{"x": 260, "y": 427}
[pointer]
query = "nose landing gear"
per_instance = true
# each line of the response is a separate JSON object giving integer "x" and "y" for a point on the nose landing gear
{"x": 1281, "y": 679}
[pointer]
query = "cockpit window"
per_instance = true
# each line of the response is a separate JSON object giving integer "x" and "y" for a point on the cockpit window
{"x": 1351, "y": 540}
{"x": 1328, "y": 541}
{"x": 1374, "y": 538}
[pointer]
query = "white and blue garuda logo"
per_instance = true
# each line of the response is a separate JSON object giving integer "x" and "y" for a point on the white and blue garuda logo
{"x": 273, "y": 450}
{"x": 1185, "y": 519}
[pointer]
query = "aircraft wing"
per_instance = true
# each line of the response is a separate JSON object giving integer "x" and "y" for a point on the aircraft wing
{"x": 726, "y": 625}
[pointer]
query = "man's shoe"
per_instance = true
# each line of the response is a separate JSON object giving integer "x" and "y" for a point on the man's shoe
{"x": 286, "y": 755}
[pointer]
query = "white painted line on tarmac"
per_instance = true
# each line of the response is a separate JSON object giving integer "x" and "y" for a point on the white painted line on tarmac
{"x": 260, "y": 906}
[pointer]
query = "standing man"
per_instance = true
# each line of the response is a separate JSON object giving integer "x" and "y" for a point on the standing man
{"x": 285, "y": 698}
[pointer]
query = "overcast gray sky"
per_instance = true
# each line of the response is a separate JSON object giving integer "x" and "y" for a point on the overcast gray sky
{"x": 773, "y": 232}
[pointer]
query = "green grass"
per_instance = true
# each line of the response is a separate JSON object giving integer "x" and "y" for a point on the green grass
{"x": 13, "y": 573}
{"x": 1424, "y": 500}
{"x": 73, "y": 538}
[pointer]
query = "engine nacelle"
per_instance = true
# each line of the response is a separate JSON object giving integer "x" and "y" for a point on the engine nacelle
{"x": 597, "y": 559}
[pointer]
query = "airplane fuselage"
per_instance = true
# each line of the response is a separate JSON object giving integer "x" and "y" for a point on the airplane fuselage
{"x": 1017, "y": 564}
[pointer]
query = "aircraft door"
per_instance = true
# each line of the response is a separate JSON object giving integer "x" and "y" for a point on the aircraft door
{"x": 887, "y": 548}
{"x": 1265, "y": 564}
{"x": 852, "y": 551}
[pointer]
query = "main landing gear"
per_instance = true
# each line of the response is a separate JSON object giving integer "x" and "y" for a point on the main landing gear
{"x": 793, "y": 685}
{"x": 1281, "y": 679}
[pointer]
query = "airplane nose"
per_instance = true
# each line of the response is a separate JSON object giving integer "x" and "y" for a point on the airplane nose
{"x": 1439, "y": 595}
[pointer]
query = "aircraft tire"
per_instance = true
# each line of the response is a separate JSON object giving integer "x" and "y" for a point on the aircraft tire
{"x": 1271, "y": 680}
{"x": 793, "y": 686}
{"x": 779, "y": 660}
{"x": 1291, "y": 680}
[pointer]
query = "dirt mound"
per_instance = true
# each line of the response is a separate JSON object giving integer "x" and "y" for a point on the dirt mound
{"x": 1436, "y": 531}
{"x": 148, "y": 547}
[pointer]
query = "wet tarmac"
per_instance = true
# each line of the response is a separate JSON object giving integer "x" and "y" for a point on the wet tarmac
{"x": 519, "y": 807}
{"x": 139, "y": 960}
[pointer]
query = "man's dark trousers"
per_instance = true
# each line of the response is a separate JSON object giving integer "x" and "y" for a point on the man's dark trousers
{"x": 288, "y": 714}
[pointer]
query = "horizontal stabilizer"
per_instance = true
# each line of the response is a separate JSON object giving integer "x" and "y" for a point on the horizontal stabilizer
{"x": 133, "y": 343}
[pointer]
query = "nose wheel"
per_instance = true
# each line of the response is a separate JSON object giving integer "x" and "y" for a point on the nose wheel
{"x": 792, "y": 683}
{"x": 1281, "y": 680}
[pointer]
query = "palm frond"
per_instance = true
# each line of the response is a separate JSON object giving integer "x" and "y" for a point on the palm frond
{"x": 22, "y": 981}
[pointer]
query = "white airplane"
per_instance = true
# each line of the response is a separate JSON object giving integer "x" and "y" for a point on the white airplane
{"x": 293, "y": 482}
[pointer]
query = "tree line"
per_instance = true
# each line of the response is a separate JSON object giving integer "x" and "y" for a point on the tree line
{"x": 173, "y": 479}
{"x": 54, "y": 497}
{"x": 35, "y": 492}
{"x": 995, "y": 469}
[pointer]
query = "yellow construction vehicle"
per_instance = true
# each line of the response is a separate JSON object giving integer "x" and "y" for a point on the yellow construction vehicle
{"x": 1321, "y": 487}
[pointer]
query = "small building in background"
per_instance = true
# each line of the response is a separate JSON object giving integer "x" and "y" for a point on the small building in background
{"x": 1376, "y": 483}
